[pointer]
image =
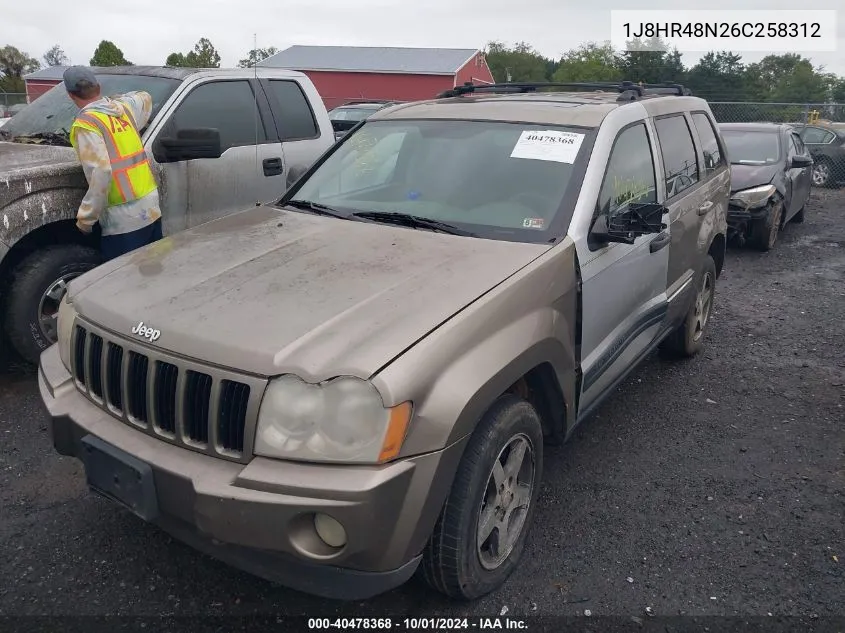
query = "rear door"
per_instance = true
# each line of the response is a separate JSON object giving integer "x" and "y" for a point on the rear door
{"x": 296, "y": 125}
{"x": 689, "y": 201}
{"x": 250, "y": 168}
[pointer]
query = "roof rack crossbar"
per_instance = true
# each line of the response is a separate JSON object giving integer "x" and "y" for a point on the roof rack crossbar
{"x": 628, "y": 89}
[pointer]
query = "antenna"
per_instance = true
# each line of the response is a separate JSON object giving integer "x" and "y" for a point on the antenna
{"x": 254, "y": 55}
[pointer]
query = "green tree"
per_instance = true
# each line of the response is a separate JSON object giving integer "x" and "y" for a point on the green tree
{"x": 55, "y": 56}
{"x": 108, "y": 54}
{"x": 651, "y": 61}
{"x": 256, "y": 55}
{"x": 520, "y": 63}
{"x": 176, "y": 59}
{"x": 204, "y": 55}
{"x": 589, "y": 62}
{"x": 719, "y": 76}
{"x": 14, "y": 64}
{"x": 787, "y": 78}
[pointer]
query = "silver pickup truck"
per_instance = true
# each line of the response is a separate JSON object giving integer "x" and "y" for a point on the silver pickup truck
{"x": 271, "y": 126}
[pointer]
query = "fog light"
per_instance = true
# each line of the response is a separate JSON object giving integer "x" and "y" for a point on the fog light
{"x": 329, "y": 530}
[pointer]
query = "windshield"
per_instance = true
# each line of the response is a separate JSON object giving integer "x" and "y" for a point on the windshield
{"x": 493, "y": 179}
{"x": 351, "y": 114}
{"x": 54, "y": 112}
{"x": 752, "y": 147}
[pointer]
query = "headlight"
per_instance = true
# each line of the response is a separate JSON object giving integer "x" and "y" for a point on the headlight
{"x": 342, "y": 420}
{"x": 66, "y": 318}
{"x": 754, "y": 197}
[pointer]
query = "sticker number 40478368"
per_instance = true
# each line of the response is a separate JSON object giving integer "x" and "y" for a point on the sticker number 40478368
{"x": 553, "y": 145}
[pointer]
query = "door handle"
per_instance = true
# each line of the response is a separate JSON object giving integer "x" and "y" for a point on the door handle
{"x": 272, "y": 166}
{"x": 661, "y": 241}
{"x": 704, "y": 208}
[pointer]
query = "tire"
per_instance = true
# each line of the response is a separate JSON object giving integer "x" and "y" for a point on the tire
{"x": 822, "y": 173}
{"x": 688, "y": 339}
{"x": 764, "y": 232}
{"x": 453, "y": 562}
{"x": 799, "y": 217}
{"x": 40, "y": 272}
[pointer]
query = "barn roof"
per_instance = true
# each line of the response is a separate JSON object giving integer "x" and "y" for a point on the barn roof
{"x": 375, "y": 59}
{"x": 51, "y": 73}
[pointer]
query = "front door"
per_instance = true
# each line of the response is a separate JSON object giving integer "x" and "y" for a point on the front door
{"x": 624, "y": 286}
{"x": 250, "y": 169}
{"x": 800, "y": 177}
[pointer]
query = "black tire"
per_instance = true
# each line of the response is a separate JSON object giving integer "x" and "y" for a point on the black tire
{"x": 764, "y": 232}
{"x": 685, "y": 341}
{"x": 30, "y": 281}
{"x": 452, "y": 563}
{"x": 822, "y": 173}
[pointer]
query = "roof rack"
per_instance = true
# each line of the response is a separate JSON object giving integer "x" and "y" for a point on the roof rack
{"x": 628, "y": 90}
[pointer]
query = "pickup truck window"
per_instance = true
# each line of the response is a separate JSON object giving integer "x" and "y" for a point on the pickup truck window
{"x": 297, "y": 119}
{"x": 228, "y": 106}
{"x": 709, "y": 143}
{"x": 630, "y": 172}
{"x": 679, "y": 160}
{"x": 54, "y": 112}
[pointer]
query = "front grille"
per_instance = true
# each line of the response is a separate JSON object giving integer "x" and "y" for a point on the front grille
{"x": 179, "y": 401}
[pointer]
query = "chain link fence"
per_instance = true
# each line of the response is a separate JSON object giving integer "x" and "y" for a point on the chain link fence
{"x": 11, "y": 102}
{"x": 820, "y": 125}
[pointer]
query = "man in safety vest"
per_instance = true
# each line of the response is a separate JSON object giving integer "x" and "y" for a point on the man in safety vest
{"x": 122, "y": 194}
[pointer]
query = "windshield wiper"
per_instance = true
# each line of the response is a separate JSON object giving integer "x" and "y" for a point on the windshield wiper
{"x": 413, "y": 221}
{"x": 316, "y": 207}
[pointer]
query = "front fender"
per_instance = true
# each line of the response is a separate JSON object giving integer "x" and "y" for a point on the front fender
{"x": 37, "y": 209}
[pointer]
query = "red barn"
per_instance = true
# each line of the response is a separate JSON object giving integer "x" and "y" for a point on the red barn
{"x": 41, "y": 81}
{"x": 343, "y": 73}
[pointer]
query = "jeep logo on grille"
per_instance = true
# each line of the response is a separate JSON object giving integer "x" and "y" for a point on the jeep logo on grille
{"x": 146, "y": 332}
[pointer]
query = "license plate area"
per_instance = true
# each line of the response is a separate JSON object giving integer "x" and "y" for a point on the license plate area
{"x": 118, "y": 476}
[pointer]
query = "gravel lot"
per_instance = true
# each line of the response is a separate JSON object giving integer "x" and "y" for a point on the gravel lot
{"x": 713, "y": 486}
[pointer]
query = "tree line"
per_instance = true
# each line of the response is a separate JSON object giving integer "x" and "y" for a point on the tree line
{"x": 717, "y": 76}
{"x": 14, "y": 63}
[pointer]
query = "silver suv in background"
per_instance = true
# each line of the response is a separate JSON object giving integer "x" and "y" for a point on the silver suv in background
{"x": 218, "y": 140}
{"x": 356, "y": 383}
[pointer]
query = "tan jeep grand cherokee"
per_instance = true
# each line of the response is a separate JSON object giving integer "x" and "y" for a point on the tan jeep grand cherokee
{"x": 336, "y": 390}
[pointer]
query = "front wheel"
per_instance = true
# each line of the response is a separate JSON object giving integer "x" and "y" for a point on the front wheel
{"x": 481, "y": 532}
{"x": 37, "y": 287}
{"x": 764, "y": 232}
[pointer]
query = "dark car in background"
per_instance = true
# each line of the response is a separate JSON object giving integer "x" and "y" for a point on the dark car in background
{"x": 826, "y": 142}
{"x": 347, "y": 116}
{"x": 771, "y": 177}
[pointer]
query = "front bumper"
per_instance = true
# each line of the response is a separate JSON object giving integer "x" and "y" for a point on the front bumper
{"x": 739, "y": 218}
{"x": 259, "y": 516}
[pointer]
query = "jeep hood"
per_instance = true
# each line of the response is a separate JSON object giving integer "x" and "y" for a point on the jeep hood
{"x": 269, "y": 291}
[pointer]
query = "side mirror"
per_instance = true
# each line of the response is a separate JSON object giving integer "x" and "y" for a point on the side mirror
{"x": 629, "y": 223}
{"x": 189, "y": 144}
{"x": 799, "y": 162}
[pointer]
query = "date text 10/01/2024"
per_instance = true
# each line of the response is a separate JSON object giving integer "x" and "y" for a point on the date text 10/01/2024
{"x": 417, "y": 624}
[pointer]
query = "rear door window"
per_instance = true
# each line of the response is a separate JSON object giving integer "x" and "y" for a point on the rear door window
{"x": 296, "y": 120}
{"x": 709, "y": 143}
{"x": 816, "y": 136}
{"x": 680, "y": 163}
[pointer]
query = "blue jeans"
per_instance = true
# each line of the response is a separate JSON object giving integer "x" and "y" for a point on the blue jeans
{"x": 112, "y": 246}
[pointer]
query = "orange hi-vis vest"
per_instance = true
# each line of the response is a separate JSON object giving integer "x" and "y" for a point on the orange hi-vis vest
{"x": 131, "y": 175}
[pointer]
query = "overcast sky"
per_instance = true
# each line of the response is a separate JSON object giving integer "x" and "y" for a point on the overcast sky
{"x": 148, "y": 31}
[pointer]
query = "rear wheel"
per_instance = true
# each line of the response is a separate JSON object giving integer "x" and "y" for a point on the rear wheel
{"x": 822, "y": 174}
{"x": 688, "y": 339}
{"x": 37, "y": 287}
{"x": 481, "y": 532}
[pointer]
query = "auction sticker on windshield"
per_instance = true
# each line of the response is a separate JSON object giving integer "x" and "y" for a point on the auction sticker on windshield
{"x": 553, "y": 145}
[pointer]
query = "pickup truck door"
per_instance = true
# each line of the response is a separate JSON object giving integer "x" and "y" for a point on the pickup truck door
{"x": 303, "y": 138}
{"x": 624, "y": 285}
{"x": 251, "y": 168}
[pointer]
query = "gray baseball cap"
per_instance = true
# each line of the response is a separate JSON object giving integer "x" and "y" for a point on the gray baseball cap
{"x": 79, "y": 77}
